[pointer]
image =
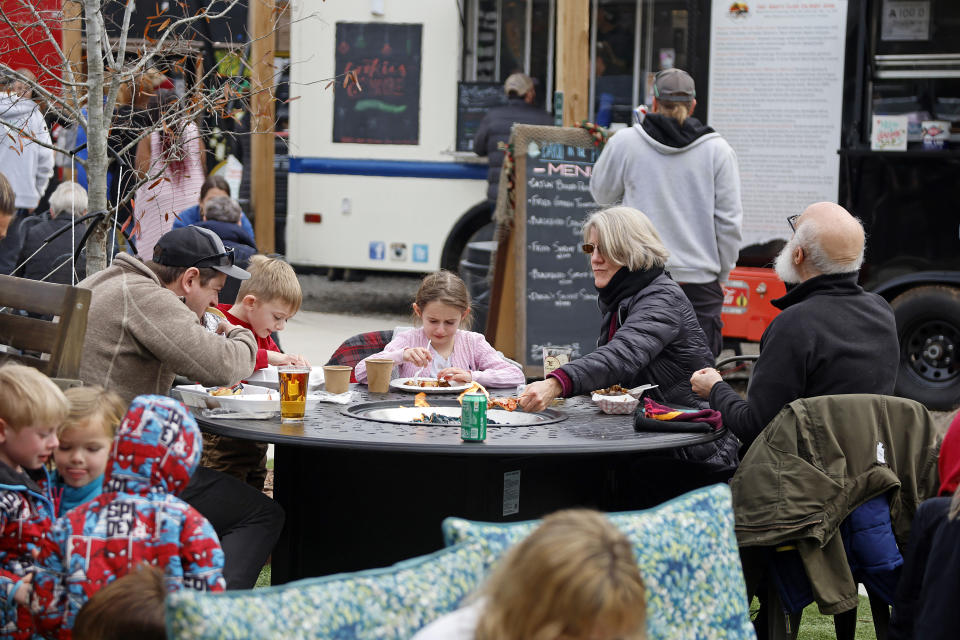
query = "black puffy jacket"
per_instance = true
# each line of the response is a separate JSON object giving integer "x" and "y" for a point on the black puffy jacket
{"x": 495, "y": 128}
{"x": 658, "y": 340}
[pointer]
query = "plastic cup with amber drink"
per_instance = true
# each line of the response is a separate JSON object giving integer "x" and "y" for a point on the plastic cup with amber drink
{"x": 293, "y": 393}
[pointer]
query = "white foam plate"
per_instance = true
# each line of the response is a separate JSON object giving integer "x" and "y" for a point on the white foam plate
{"x": 400, "y": 385}
{"x": 269, "y": 377}
{"x": 254, "y": 399}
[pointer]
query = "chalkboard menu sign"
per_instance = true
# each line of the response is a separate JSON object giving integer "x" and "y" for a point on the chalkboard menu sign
{"x": 553, "y": 302}
{"x": 386, "y": 58}
{"x": 474, "y": 99}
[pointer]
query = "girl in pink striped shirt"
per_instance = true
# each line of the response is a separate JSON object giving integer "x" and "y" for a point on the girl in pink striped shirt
{"x": 440, "y": 346}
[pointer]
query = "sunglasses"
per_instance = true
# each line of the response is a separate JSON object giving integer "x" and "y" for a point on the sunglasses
{"x": 589, "y": 247}
{"x": 224, "y": 259}
{"x": 792, "y": 221}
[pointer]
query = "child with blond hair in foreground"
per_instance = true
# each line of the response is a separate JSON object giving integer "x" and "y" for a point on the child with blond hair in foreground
{"x": 31, "y": 409}
{"x": 574, "y": 578}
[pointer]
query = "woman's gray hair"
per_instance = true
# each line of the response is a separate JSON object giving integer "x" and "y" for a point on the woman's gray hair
{"x": 68, "y": 197}
{"x": 808, "y": 236}
{"x": 626, "y": 236}
{"x": 222, "y": 208}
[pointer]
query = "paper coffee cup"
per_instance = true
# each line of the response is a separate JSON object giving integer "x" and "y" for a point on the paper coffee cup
{"x": 336, "y": 378}
{"x": 378, "y": 374}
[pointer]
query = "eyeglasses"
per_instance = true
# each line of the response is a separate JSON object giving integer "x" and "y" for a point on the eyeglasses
{"x": 792, "y": 221}
{"x": 588, "y": 248}
{"x": 224, "y": 259}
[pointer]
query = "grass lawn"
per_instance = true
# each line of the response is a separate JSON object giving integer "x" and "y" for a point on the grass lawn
{"x": 264, "y": 579}
{"x": 814, "y": 626}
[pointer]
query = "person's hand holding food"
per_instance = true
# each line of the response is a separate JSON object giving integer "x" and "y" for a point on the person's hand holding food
{"x": 702, "y": 381}
{"x": 418, "y": 356}
{"x": 538, "y": 395}
{"x": 454, "y": 374}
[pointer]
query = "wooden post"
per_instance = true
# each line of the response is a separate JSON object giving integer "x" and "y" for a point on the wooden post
{"x": 573, "y": 55}
{"x": 71, "y": 32}
{"x": 262, "y": 185}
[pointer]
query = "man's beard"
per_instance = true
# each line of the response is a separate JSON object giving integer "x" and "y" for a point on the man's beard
{"x": 786, "y": 270}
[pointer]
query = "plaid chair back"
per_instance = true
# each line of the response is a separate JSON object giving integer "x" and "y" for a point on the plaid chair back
{"x": 356, "y": 348}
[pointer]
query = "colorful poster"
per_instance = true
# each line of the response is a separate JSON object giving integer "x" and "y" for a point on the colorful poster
{"x": 385, "y": 108}
{"x": 889, "y": 133}
{"x": 776, "y": 93}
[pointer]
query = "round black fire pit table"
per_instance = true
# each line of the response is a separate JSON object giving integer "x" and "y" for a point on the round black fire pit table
{"x": 363, "y": 488}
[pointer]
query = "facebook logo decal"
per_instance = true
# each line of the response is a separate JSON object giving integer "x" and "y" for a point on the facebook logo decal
{"x": 377, "y": 250}
{"x": 421, "y": 252}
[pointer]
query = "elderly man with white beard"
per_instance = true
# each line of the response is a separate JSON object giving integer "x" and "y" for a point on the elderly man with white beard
{"x": 831, "y": 336}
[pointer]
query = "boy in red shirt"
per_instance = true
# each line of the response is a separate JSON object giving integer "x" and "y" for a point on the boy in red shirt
{"x": 265, "y": 302}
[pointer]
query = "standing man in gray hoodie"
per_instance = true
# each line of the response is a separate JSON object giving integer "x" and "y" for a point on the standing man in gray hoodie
{"x": 684, "y": 177}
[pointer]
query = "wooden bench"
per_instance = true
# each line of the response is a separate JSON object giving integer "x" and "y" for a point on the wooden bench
{"x": 52, "y": 346}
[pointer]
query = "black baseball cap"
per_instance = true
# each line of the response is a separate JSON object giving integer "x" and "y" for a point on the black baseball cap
{"x": 196, "y": 247}
{"x": 674, "y": 85}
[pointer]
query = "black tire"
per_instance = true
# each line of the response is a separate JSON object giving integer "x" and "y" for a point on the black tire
{"x": 928, "y": 325}
{"x": 475, "y": 224}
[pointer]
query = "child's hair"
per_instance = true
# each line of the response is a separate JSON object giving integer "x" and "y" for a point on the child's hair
{"x": 271, "y": 279}
{"x": 94, "y": 401}
{"x": 447, "y": 288}
{"x": 128, "y": 607}
{"x": 29, "y": 398}
{"x": 575, "y": 571}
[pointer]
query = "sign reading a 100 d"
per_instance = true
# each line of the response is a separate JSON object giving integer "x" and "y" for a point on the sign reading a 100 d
{"x": 386, "y": 59}
{"x": 561, "y": 299}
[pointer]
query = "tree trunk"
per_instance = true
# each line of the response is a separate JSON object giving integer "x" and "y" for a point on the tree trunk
{"x": 97, "y": 127}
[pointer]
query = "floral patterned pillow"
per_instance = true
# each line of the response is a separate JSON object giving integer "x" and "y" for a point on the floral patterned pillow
{"x": 386, "y": 604}
{"x": 687, "y": 552}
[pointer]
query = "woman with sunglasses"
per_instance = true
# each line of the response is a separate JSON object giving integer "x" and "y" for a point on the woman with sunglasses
{"x": 649, "y": 333}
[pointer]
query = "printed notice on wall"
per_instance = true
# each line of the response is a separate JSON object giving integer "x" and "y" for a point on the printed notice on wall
{"x": 776, "y": 89}
{"x": 905, "y": 20}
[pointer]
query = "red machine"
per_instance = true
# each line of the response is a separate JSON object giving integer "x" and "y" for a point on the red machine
{"x": 25, "y": 40}
{"x": 746, "y": 302}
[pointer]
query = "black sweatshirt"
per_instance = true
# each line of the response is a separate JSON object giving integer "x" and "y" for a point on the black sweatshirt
{"x": 832, "y": 337}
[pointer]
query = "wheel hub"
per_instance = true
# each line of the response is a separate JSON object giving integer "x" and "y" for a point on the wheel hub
{"x": 931, "y": 349}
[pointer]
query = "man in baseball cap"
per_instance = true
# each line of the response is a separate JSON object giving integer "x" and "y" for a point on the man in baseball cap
{"x": 196, "y": 247}
{"x": 143, "y": 328}
{"x": 674, "y": 85}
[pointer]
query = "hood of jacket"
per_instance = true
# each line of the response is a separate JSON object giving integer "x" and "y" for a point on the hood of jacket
{"x": 15, "y": 109}
{"x": 228, "y": 232}
{"x": 156, "y": 450}
{"x": 668, "y": 136}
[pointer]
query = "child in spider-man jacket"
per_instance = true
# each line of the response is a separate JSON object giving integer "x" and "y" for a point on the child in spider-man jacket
{"x": 137, "y": 519}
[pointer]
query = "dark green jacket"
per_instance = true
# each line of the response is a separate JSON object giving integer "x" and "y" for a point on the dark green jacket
{"x": 818, "y": 460}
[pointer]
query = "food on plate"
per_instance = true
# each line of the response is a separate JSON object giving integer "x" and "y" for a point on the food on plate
{"x": 438, "y": 418}
{"x": 475, "y": 387}
{"x": 507, "y": 404}
{"x": 426, "y": 382}
{"x": 615, "y": 390}
{"x": 420, "y": 400}
{"x": 235, "y": 390}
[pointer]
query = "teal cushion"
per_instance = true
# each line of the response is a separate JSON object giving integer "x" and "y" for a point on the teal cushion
{"x": 391, "y": 603}
{"x": 688, "y": 556}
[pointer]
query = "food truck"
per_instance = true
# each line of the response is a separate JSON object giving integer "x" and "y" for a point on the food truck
{"x": 851, "y": 101}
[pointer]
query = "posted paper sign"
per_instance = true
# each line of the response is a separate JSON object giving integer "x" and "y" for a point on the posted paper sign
{"x": 905, "y": 20}
{"x": 776, "y": 92}
{"x": 889, "y": 133}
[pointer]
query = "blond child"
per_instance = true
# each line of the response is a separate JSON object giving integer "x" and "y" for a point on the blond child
{"x": 442, "y": 347}
{"x": 265, "y": 301}
{"x": 85, "y": 436}
{"x": 31, "y": 409}
{"x": 574, "y": 578}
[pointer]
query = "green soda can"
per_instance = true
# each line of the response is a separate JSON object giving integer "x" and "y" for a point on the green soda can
{"x": 473, "y": 418}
